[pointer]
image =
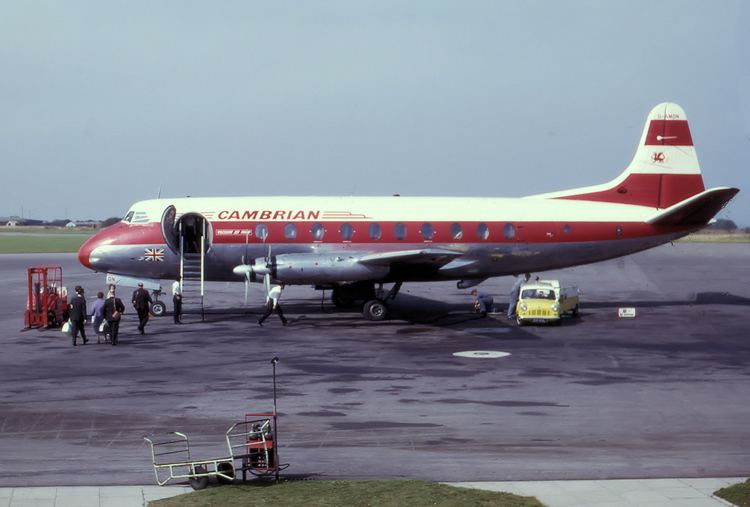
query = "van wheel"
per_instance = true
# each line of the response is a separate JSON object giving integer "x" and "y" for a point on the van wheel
{"x": 520, "y": 321}
{"x": 575, "y": 311}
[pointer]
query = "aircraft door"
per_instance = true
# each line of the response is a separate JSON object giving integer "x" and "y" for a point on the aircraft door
{"x": 194, "y": 231}
{"x": 169, "y": 229}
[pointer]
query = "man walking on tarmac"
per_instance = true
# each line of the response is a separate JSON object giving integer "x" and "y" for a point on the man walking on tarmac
{"x": 142, "y": 304}
{"x": 78, "y": 315}
{"x": 272, "y": 303}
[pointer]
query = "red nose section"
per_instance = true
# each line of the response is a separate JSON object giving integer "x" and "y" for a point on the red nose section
{"x": 106, "y": 236}
{"x": 85, "y": 251}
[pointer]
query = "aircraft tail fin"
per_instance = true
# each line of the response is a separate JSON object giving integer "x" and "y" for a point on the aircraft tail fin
{"x": 664, "y": 170}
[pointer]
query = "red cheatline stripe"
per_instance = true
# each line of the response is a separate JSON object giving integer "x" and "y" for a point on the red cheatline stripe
{"x": 531, "y": 232}
{"x": 669, "y": 133}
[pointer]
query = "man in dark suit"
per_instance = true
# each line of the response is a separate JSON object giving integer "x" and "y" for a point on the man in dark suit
{"x": 142, "y": 304}
{"x": 113, "y": 309}
{"x": 78, "y": 315}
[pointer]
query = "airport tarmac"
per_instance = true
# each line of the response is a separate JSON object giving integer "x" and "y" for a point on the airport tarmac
{"x": 663, "y": 394}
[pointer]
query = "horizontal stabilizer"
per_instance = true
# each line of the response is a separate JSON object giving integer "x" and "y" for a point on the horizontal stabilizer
{"x": 431, "y": 255}
{"x": 696, "y": 210}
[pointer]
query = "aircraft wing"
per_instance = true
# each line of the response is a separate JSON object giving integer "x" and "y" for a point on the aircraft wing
{"x": 696, "y": 210}
{"x": 435, "y": 256}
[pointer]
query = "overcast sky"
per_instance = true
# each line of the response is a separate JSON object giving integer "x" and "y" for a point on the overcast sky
{"x": 104, "y": 103}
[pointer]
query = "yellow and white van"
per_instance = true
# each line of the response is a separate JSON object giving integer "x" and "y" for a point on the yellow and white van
{"x": 544, "y": 301}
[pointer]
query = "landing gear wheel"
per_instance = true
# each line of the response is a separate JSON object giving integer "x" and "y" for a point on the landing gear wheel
{"x": 375, "y": 310}
{"x": 226, "y": 469}
{"x": 158, "y": 309}
{"x": 199, "y": 482}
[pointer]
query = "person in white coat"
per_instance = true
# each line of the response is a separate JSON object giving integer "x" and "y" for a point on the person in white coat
{"x": 272, "y": 304}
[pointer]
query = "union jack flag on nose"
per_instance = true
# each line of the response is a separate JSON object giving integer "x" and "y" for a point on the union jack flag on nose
{"x": 153, "y": 255}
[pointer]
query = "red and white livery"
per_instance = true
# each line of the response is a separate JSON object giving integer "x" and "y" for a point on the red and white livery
{"x": 353, "y": 244}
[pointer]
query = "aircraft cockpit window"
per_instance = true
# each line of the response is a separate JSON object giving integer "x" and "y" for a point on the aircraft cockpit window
{"x": 128, "y": 217}
{"x": 456, "y": 232}
{"x": 428, "y": 232}
{"x": 317, "y": 231}
{"x": 375, "y": 232}
{"x": 399, "y": 231}
{"x": 261, "y": 232}
{"x": 483, "y": 232}
{"x": 509, "y": 231}
{"x": 346, "y": 232}
{"x": 290, "y": 231}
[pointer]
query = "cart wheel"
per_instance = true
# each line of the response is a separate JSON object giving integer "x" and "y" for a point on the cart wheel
{"x": 226, "y": 469}
{"x": 158, "y": 309}
{"x": 199, "y": 482}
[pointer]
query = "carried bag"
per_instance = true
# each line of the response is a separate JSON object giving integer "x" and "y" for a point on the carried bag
{"x": 67, "y": 328}
{"x": 115, "y": 312}
{"x": 103, "y": 327}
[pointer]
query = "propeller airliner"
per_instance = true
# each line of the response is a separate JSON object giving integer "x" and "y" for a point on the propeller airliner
{"x": 354, "y": 245}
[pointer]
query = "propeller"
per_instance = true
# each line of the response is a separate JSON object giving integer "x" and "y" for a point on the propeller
{"x": 249, "y": 268}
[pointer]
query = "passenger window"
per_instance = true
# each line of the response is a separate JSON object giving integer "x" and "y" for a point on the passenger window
{"x": 317, "y": 231}
{"x": 618, "y": 230}
{"x": 375, "y": 231}
{"x": 290, "y": 231}
{"x": 346, "y": 232}
{"x": 509, "y": 231}
{"x": 483, "y": 232}
{"x": 261, "y": 232}
{"x": 566, "y": 229}
{"x": 456, "y": 232}
{"x": 399, "y": 231}
{"x": 428, "y": 232}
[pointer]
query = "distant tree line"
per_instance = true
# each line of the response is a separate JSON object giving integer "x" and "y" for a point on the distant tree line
{"x": 723, "y": 224}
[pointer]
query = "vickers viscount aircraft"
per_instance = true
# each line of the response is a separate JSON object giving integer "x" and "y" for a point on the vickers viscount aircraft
{"x": 354, "y": 245}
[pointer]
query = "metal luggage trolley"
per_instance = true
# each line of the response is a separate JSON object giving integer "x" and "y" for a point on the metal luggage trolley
{"x": 251, "y": 449}
{"x": 252, "y": 442}
{"x": 170, "y": 454}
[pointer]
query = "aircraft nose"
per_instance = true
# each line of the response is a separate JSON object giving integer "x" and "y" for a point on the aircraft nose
{"x": 84, "y": 253}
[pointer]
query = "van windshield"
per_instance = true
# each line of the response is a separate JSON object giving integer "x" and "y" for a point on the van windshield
{"x": 538, "y": 294}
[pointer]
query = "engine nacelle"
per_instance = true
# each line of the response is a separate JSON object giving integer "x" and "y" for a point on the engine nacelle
{"x": 318, "y": 268}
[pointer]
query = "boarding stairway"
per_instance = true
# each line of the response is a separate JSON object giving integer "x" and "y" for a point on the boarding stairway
{"x": 192, "y": 287}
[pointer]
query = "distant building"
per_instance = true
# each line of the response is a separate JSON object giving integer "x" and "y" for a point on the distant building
{"x": 70, "y": 225}
{"x": 12, "y": 221}
{"x": 88, "y": 223}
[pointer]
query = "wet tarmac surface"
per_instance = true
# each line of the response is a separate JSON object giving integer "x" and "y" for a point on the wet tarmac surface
{"x": 660, "y": 395}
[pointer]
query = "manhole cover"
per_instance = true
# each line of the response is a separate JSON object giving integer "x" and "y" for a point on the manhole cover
{"x": 481, "y": 354}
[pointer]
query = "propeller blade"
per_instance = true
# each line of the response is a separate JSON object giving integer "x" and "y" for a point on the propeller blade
{"x": 247, "y": 284}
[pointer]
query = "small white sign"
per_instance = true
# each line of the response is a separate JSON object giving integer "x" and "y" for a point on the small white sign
{"x": 482, "y": 354}
{"x": 626, "y": 312}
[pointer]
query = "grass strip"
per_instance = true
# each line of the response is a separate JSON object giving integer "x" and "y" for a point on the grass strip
{"x": 62, "y": 243}
{"x": 738, "y": 494}
{"x": 717, "y": 237}
{"x": 346, "y": 494}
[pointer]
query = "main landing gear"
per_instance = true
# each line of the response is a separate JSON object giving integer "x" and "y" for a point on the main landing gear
{"x": 375, "y": 301}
